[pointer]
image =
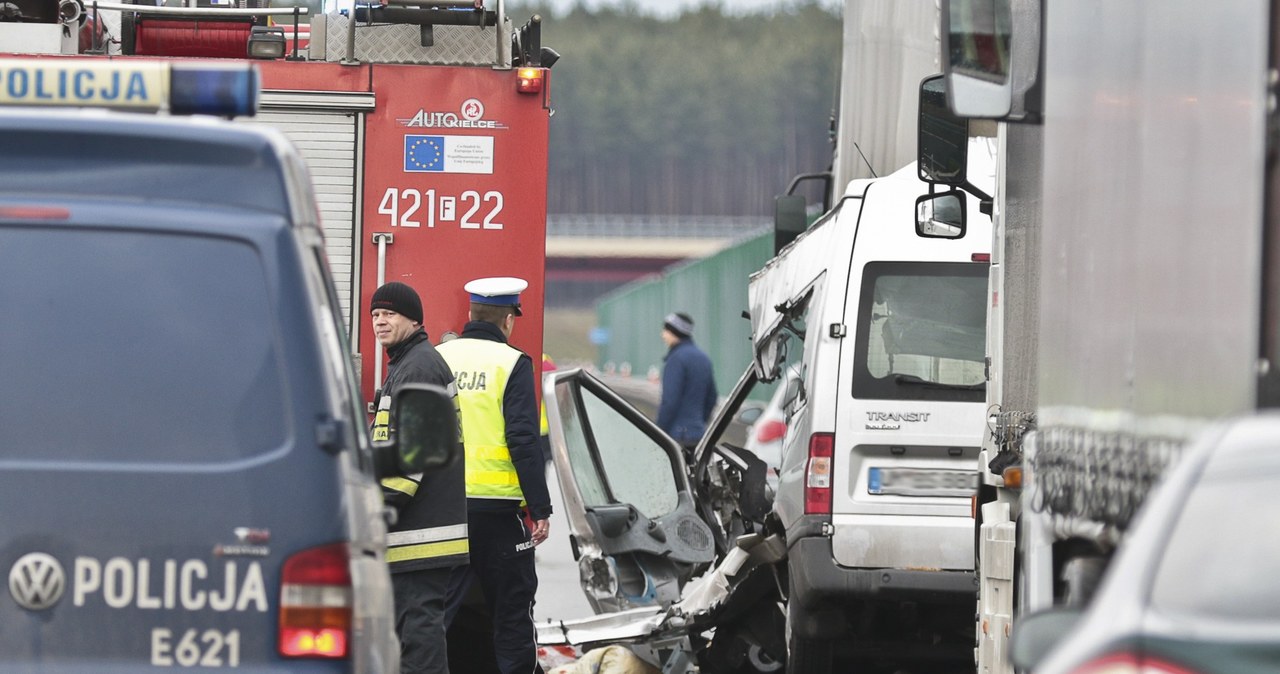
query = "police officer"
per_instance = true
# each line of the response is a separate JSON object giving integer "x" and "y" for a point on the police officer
{"x": 504, "y": 469}
{"x": 429, "y": 537}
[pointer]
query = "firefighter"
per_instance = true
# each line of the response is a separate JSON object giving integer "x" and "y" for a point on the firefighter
{"x": 505, "y": 470}
{"x": 429, "y": 537}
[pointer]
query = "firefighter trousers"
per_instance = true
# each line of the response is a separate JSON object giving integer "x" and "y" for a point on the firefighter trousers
{"x": 420, "y": 620}
{"x": 502, "y": 563}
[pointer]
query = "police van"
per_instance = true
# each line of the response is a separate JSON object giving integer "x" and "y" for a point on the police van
{"x": 186, "y": 478}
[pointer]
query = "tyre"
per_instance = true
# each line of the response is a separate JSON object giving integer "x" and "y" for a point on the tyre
{"x": 804, "y": 655}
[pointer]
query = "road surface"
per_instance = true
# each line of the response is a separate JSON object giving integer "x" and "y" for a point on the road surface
{"x": 559, "y": 595}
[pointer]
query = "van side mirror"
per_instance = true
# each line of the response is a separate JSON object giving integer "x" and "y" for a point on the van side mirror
{"x": 795, "y": 386}
{"x": 991, "y": 58}
{"x": 943, "y": 143}
{"x": 426, "y": 432}
{"x": 941, "y": 215}
{"x": 789, "y": 220}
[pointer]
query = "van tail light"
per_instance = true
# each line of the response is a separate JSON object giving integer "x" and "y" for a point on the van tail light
{"x": 315, "y": 603}
{"x": 771, "y": 430}
{"x": 1129, "y": 663}
{"x": 817, "y": 474}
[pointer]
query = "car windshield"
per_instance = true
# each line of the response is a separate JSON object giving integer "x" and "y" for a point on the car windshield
{"x": 124, "y": 346}
{"x": 921, "y": 331}
{"x": 1225, "y": 533}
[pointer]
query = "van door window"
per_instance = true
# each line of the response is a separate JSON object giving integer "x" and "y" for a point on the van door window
{"x": 137, "y": 347}
{"x": 921, "y": 332}
{"x": 625, "y": 464}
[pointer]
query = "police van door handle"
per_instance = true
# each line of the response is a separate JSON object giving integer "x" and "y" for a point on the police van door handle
{"x": 382, "y": 240}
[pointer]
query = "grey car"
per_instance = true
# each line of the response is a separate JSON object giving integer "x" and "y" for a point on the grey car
{"x": 1194, "y": 588}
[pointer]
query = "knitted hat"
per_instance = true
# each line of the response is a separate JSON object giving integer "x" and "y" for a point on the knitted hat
{"x": 399, "y": 298}
{"x": 680, "y": 324}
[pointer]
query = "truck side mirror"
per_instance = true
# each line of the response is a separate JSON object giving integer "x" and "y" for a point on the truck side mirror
{"x": 991, "y": 58}
{"x": 943, "y": 142}
{"x": 426, "y": 432}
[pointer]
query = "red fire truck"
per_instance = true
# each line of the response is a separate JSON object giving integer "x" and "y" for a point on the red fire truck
{"x": 424, "y": 127}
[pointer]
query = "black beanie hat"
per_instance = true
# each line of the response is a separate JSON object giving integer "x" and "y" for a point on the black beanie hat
{"x": 680, "y": 324}
{"x": 399, "y": 298}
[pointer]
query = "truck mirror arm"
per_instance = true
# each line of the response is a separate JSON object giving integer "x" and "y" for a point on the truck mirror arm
{"x": 986, "y": 202}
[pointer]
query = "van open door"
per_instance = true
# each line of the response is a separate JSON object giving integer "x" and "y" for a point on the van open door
{"x": 633, "y": 522}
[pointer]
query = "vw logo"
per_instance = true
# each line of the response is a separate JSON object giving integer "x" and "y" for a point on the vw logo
{"x": 36, "y": 581}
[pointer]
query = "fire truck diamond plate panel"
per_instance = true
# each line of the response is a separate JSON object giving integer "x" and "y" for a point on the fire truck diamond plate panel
{"x": 400, "y": 43}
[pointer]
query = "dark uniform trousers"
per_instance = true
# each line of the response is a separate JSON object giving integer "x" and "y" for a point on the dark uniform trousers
{"x": 420, "y": 611}
{"x": 503, "y": 563}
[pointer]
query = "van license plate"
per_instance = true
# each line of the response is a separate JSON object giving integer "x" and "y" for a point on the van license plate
{"x": 922, "y": 482}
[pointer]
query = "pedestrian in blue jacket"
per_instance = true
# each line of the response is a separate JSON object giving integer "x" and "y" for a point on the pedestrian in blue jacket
{"x": 688, "y": 383}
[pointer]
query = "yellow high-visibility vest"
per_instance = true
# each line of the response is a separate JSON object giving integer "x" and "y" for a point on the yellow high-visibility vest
{"x": 481, "y": 369}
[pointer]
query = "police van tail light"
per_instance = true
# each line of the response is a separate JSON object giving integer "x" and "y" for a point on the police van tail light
{"x": 315, "y": 603}
{"x": 817, "y": 474}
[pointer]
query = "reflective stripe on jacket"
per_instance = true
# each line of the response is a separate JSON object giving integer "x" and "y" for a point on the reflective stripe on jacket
{"x": 427, "y": 543}
{"x": 481, "y": 369}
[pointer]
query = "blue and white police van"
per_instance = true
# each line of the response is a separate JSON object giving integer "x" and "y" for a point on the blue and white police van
{"x": 186, "y": 478}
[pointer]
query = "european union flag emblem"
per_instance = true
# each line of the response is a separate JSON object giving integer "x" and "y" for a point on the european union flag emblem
{"x": 424, "y": 154}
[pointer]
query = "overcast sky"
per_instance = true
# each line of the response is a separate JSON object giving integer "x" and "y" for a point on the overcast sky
{"x": 668, "y": 8}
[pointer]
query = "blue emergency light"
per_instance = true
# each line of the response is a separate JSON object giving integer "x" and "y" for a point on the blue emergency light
{"x": 213, "y": 89}
{"x": 179, "y": 88}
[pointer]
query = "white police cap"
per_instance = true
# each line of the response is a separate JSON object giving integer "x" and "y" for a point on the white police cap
{"x": 497, "y": 290}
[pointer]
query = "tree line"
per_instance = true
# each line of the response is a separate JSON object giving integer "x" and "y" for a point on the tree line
{"x": 705, "y": 113}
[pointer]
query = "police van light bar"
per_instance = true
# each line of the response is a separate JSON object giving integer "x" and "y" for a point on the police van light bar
{"x": 179, "y": 88}
{"x": 213, "y": 89}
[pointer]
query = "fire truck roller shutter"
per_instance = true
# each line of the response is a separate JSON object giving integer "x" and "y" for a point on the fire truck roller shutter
{"x": 326, "y": 131}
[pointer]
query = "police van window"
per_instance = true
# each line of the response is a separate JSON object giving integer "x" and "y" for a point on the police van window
{"x": 136, "y": 347}
{"x": 921, "y": 332}
{"x": 337, "y": 350}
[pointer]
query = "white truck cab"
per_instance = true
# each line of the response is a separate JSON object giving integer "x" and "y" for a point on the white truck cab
{"x": 884, "y": 322}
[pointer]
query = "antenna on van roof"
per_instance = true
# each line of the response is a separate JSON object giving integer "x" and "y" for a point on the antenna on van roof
{"x": 864, "y": 160}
